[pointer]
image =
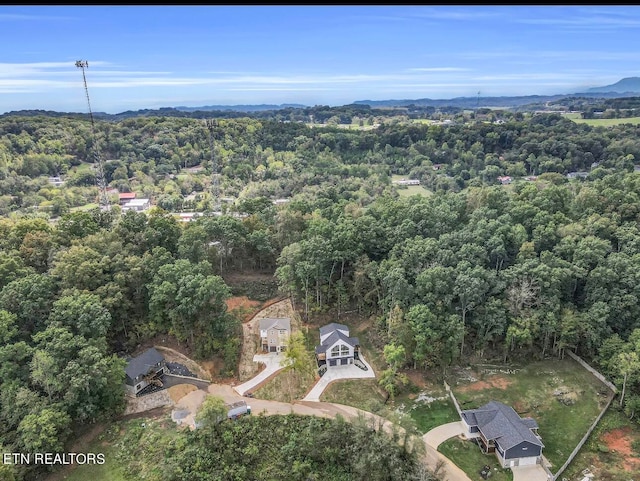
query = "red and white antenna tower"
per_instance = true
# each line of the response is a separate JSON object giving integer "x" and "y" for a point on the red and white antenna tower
{"x": 103, "y": 198}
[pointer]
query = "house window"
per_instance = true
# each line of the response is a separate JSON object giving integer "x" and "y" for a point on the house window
{"x": 335, "y": 351}
{"x": 138, "y": 387}
{"x": 344, "y": 350}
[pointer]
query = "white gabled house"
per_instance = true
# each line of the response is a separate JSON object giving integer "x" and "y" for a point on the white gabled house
{"x": 336, "y": 347}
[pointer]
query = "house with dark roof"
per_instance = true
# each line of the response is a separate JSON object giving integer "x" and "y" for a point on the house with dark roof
{"x": 498, "y": 429}
{"x": 143, "y": 370}
{"x": 274, "y": 333}
{"x": 336, "y": 347}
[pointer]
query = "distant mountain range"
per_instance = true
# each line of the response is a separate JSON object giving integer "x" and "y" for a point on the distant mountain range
{"x": 626, "y": 85}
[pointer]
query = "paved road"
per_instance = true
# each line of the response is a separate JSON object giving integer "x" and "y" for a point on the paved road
{"x": 350, "y": 371}
{"x": 273, "y": 363}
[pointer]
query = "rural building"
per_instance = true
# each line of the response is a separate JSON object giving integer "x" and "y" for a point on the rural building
{"x": 336, "y": 347}
{"x": 124, "y": 197}
{"x": 498, "y": 429}
{"x": 143, "y": 370}
{"x": 138, "y": 205}
{"x": 274, "y": 333}
{"x": 56, "y": 181}
{"x": 407, "y": 182}
{"x": 505, "y": 179}
{"x": 576, "y": 175}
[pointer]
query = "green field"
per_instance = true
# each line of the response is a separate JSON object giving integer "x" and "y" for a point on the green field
{"x": 433, "y": 414}
{"x": 360, "y": 393}
{"x": 606, "y": 122}
{"x": 561, "y": 396}
{"x": 409, "y": 190}
{"x": 84, "y": 207}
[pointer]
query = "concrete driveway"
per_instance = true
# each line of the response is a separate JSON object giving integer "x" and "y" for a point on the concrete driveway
{"x": 334, "y": 373}
{"x": 529, "y": 473}
{"x": 273, "y": 363}
{"x": 433, "y": 439}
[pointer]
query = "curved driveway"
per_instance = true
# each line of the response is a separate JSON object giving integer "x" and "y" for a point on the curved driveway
{"x": 273, "y": 363}
{"x": 437, "y": 436}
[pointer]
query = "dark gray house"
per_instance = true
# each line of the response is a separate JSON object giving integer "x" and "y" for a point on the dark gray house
{"x": 498, "y": 428}
{"x": 143, "y": 370}
{"x": 336, "y": 347}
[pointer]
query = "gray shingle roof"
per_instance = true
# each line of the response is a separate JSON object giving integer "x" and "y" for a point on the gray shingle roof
{"x": 334, "y": 326}
{"x": 501, "y": 423}
{"x": 335, "y": 336}
{"x": 275, "y": 323}
{"x": 140, "y": 365}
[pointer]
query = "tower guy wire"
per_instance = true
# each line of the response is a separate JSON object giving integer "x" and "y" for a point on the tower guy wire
{"x": 103, "y": 198}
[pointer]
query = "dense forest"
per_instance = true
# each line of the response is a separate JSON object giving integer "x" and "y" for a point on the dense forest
{"x": 475, "y": 270}
{"x": 296, "y": 448}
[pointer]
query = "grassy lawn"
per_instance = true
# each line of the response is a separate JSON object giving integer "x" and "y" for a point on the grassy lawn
{"x": 409, "y": 190}
{"x": 430, "y": 415}
{"x": 109, "y": 471}
{"x": 561, "y": 396}
{"x": 468, "y": 457}
{"x": 360, "y": 393}
{"x": 286, "y": 386}
{"x": 612, "y": 452}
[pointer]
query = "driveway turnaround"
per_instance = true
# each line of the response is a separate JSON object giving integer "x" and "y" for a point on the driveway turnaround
{"x": 334, "y": 373}
{"x": 273, "y": 363}
{"x": 529, "y": 473}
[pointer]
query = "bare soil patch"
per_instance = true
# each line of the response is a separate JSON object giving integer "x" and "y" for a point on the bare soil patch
{"x": 416, "y": 378}
{"x": 619, "y": 441}
{"x": 244, "y": 306}
{"x": 498, "y": 382}
{"x": 181, "y": 390}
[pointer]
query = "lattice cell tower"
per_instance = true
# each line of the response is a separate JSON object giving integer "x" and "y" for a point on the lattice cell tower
{"x": 103, "y": 198}
{"x": 215, "y": 181}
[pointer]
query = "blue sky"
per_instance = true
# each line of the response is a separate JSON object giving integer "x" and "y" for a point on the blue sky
{"x": 163, "y": 56}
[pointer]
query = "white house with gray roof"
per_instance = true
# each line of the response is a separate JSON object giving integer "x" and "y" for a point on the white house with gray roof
{"x": 498, "y": 428}
{"x": 274, "y": 333}
{"x": 336, "y": 347}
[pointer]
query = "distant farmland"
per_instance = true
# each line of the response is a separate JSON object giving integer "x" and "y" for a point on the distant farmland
{"x": 606, "y": 122}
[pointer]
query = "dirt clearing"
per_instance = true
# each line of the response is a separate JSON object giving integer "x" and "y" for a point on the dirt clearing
{"x": 619, "y": 441}
{"x": 244, "y": 307}
{"x": 181, "y": 390}
{"x": 499, "y": 382}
